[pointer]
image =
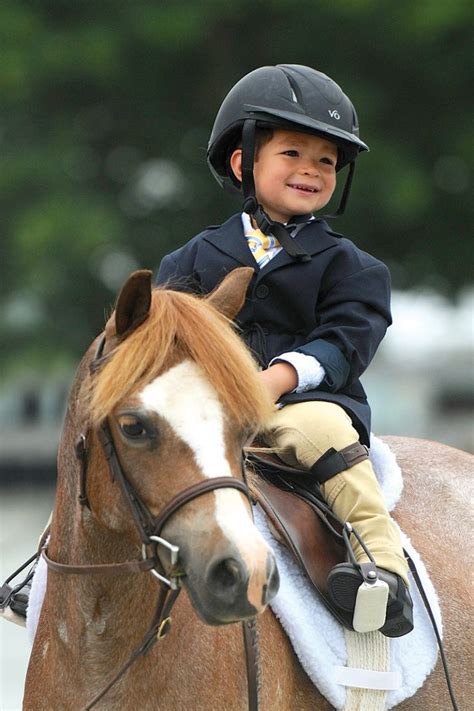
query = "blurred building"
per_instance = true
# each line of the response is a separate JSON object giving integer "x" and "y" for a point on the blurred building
{"x": 31, "y": 414}
{"x": 421, "y": 381}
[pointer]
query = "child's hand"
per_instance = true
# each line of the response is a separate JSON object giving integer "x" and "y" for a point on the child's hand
{"x": 279, "y": 379}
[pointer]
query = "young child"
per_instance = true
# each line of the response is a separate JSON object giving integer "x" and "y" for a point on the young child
{"x": 317, "y": 306}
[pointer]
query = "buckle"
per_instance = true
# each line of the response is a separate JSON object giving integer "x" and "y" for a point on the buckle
{"x": 164, "y": 628}
{"x": 173, "y": 581}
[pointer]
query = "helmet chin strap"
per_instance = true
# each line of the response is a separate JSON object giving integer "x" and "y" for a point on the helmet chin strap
{"x": 252, "y": 207}
{"x": 345, "y": 193}
{"x": 250, "y": 204}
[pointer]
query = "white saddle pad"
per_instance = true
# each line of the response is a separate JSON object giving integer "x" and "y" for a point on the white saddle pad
{"x": 318, "y": 639}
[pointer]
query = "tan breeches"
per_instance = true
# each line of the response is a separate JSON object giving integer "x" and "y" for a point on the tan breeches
{"x": 300, "y": 434}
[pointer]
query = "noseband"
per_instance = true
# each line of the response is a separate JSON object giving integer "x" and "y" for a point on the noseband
{"x": 149, "y": 528}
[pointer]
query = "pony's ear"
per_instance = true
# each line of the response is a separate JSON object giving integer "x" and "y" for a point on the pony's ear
{"x": 229, "y": 296}
{"x": 133, "y": 302}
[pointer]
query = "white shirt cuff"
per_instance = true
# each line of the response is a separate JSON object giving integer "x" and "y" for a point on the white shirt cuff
{"x": 309, "y": 370}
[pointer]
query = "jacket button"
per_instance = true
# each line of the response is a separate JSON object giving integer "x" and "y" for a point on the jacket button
{"x": 262, "y": 291}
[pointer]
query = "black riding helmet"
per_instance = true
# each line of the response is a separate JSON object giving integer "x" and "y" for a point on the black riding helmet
{"x": 287, "y": 96}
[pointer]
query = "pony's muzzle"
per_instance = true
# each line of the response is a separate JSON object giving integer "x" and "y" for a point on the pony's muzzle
{"x": 242, "y": 589}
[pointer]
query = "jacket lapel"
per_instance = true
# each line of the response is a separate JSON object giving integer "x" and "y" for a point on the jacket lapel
{"x": 315, "y": 237}
{"x": 229, "y": 239}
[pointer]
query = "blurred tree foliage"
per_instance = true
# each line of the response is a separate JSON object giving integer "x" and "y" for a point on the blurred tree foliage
{"x": 105, "y": 112}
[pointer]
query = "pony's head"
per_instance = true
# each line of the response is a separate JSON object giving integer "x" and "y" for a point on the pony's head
{"x": 182, "y": 395}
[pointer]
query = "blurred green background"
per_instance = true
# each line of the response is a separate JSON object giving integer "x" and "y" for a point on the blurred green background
{"x": 105, "y": 112}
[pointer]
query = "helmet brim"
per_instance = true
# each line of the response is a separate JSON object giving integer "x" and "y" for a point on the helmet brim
{"x": 348, "y": 139}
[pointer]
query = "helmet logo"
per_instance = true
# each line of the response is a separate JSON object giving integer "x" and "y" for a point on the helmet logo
{"x": 334, "y": 114}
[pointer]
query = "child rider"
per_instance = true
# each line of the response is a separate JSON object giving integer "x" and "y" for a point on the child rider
{"x": 317, "y": 306}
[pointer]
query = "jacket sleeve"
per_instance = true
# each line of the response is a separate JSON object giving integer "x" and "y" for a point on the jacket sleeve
{"x": 353, "y": 316}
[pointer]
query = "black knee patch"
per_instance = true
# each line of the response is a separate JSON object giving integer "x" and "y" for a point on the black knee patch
{"x": 333, "y": 461}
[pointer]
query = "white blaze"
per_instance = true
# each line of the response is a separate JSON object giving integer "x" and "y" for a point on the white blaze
{"x": 187, "y": 401}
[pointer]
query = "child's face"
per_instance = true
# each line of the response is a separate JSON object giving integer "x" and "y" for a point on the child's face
{"x": 295, "y": 173}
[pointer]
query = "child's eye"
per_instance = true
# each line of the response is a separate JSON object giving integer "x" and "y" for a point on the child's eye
{"x": 328, "y": 161}
{"x": 291, "y": 153}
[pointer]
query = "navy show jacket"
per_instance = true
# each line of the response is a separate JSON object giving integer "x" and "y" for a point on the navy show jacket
{"x": 335, "y": 307}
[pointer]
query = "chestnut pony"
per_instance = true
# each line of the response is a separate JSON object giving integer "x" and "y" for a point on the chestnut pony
{"x": 180, "y": 396}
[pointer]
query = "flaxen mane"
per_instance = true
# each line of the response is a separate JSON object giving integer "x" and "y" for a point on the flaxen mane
{"x": 182, "y": 326}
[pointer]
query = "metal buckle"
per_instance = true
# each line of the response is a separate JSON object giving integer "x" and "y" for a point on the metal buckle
{"x": 174, "y": 552}
{"x": 164, "y": 628}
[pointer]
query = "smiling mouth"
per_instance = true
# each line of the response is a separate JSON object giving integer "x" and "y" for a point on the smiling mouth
{"x": 304, "y": 188}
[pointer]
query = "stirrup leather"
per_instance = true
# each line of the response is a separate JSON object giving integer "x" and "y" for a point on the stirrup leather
{"x": 372, "y": 595}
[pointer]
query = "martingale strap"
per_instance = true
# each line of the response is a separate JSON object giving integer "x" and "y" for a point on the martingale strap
{"x": 158, "y": 629}
{"x": 249, "y": 628}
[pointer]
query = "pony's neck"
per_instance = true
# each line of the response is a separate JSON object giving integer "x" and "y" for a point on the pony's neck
{"x": 105, "y": 617}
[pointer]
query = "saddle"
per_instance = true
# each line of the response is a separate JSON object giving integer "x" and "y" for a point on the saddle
{"x": 296, "y": 512}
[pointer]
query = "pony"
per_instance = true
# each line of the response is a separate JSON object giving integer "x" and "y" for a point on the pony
{"x": 168, "y": 396}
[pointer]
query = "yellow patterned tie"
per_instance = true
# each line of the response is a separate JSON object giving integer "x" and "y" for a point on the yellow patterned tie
{"x": 259, "y": 244}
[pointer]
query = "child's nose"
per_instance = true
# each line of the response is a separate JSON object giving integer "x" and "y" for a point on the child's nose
{"x": 310, "y": 168}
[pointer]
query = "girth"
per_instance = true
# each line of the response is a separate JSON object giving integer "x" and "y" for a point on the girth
{"x": 292, "y": 503}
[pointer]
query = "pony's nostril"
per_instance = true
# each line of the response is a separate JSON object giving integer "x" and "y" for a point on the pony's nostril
{"x": 227, "y": 574}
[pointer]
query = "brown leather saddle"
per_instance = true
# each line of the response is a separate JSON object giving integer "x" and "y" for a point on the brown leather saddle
{"x": 298, "y": 515}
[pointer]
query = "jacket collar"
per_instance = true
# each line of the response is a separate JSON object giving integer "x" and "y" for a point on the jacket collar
{"x": 314, "y": 238}
{"x": 229, "y": 238}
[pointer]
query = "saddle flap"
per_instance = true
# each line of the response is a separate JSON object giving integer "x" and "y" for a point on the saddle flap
{"x": 315, "y": 549}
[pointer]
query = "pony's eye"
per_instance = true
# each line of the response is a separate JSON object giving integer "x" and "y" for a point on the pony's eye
{"x": 133, "y": 428}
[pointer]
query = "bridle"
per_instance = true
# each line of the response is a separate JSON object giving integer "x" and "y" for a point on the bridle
{"x": 149, "y": 528}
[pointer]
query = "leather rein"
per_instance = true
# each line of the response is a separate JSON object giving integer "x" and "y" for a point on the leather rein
{"x": 149, "y": 528}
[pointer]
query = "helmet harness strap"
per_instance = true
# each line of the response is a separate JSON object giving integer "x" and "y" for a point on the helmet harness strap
{"x": 250, "y": 204}
{"x": 345, "y": 192}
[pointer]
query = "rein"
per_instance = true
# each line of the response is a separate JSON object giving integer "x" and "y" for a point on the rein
{"x": 149, "y": 528}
